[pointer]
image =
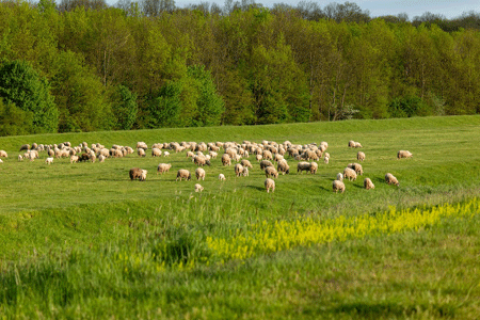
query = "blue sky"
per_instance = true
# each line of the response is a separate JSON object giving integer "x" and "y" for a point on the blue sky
{"x": 449, "y": 8}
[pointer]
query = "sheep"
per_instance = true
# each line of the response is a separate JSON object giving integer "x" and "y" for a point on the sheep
{"x": 101, "y": 158}
{"x": 311, "y": 167}
{"x": 271, "y": 172}
{"x": 246, "y": 163}
{"x": 351, "y": 144}
{"x": 213, "y": 154}
{"x": 3, "y": 154}
{"x": 358, "y": 145}
{"x": 226, "y": 161}
{"x": 232, "y": 152}
{"x": 326, "y": 155}
{"x": 20, "y": 158}
{"x": 73, "y": 159}
{"x": 129, "y": 150}
{"x": 238, "y": 169}
{"x": 156, "y": 152}
{"x": 245, "y": 172}
{"x": 25, "y": 147}
{"x": 338, "y": 186}
{"x": 166, "y": 154}
{"x": 326, "y": 160}
{"x": 183, "y": 174}
{"x": 33, "y": 154}
{"x": 141, "y": 152}
{"x": 258, "y": 157}
{"x": 163, "y": 167}
{"x": 201, "y": 161}
{"x": 278, "y": 157}
{"x": 137, "y": 173}
{"x": 142, "y": 145}
{"x": 283, "y": 167}
{"x": 269, "y": 185}
{"x": 221, "y": 177}
{"x": 265, "y": 163}
{"x": 360, "y": 156}
{"x": 404, "y": 154}
{"x": 267, "y": 155}
{"x": 309, "y": 155}
{"x": 200, "y": 174}
{"x": 84, "y": 157}
{"x": 117, "y": 153}
{"x": 198, "y": 187}
{"x": 350, "y": 174}
{"x": 390, "y": 179}
{"x": 368, "y": 184}
{"x": 357, "y": 167}
{"x": 339, "y": 176}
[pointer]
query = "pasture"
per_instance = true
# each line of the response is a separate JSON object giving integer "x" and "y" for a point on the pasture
{"x": 83, "y": 241}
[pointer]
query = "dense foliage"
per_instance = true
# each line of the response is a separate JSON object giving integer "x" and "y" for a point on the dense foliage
{"x": 150, "y": 64}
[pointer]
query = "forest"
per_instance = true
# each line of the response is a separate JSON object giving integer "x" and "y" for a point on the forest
{"x": 82, "y": 65}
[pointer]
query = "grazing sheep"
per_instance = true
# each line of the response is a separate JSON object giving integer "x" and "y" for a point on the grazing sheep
{"x": 309, "y": 155}
{"x": 278, "y": 157}
{"x": 156, "y": 152}
{"x": 245, "y": 172}
{"x": 141, "y": 152}
{"x": 142, "y": 145}
{"x": 238, "y": 169}
{"x": 163, "y": 167}
{"x": 350, "y": 174}
{"x": 360, "y": 156}
{"x": 339, "y": 176}
{"x": 283, "y": 167}
{"x": 246, "y": 163}
{"x": 221, "y": 177}
{"x": 226, "y": 160}
{"x": 267, "y": 155}
{"x": 200, "y": 174}
{"x": 271, "y": 172}
{"x": 183, "y": 174}
{"x": 357, "y": 167}
{"x": 258, "y": 157}
{"x": 390, "y": 179}
{"x": 3, "y": 154}
{"x": 404, "y": 154}
{"x": 25, "y": 147}
{"x": 84, "y": 157}
{"x": 106, "y": 153}
{"x": 101, "y": 158}
{"x": 137, "y": 173}
{"x": 303, "y": 166}
{"x": 326, "y": 155}
{"x": 201, "y": 161}
{"x": 326, "y": 160}
{"x": 265, "y": 163}
{"x": 20, "y": 158}
{"x": 368, "y": 184}
{"x": 270, "y": 185}
{"x": 338, "y": 186}
{"x": 213, "y": 154}
{"x": 351, "y": 144}
{"x": 198, "y": 187}
{"x": 358, "y": 145}
{"x": 166, "y": 154}
{"x": 73, "y": 159}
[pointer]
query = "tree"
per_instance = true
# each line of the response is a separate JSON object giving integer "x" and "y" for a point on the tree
{"x": 124, "y": 108}
{"x": 13, "y": 120}
{"x": 21, "y": 85}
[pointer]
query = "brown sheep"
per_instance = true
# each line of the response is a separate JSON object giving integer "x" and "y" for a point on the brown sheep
{"x": 137, "y": 173}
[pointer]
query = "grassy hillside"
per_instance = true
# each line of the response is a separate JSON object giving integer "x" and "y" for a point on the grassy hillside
{"x": 82, "y": 240}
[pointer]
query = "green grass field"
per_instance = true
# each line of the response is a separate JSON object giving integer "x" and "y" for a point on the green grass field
{"x": 82, "y": 241}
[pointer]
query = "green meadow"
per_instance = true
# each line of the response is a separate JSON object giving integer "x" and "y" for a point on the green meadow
{"x": 82, "y": 241}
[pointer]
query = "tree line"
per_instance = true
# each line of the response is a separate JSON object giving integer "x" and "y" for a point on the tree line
{"x": 81, "y": 65}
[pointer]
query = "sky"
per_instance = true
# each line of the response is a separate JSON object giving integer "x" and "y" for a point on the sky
{"x": 448, "y": 8}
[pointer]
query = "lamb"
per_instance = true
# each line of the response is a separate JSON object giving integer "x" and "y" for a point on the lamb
{"x": 137, "y": 173}
{"x": 368, "y": 184}
{"x": 338, "y": 186}
{"x": 339, "y": 176}
{"x": 3, "y": 154}
{"x": 156, "y": 152}
{"x": 20, "y": 158}
{"x": 271, "y": 172}
{"x": 166, "y": 154}
{"x": 283, "y": 167}
{"x": 200, "y": 174}
{"x": 265, "y": 163}
{"x": 183, "y": 174}
{"x": 141, "y": 152}
{"x": 198, "y": 187}
{"x": 270, "y": 185}
{"x": 390, "y": 179}
{"x": 213, "y": 154}
{"x": 226, "y": 161}
{"x": 246, "y": 163}
{"x": 326, "y": 160}
{"x": 350, "y": 174}
{"x": 201, "y": 161}
{"x": 351, "y": 144}
{"x": 163, "y": 167}
{"x": 238, "y": 169}
{"x": 360, "y": 156}
{"x": 101, "y": 158}
{"x": 221, "y": 177}
{"x": 404, "y": 154}
{"x": 258, "y": 157}
{"x": 73, "y": 159}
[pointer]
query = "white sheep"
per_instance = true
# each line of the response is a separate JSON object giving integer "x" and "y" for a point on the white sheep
{"x": 269, "y": 185}
{"x": 326, "y": 160}
{"x": 350, "y": 174}
{"x": 143, "y": 176}
{"x": 339, "y": 176}
{"x": 368, "y": 184}
{"x": 361, "y": 156}
{"x": 101, "y": 158}
{"x": 338, "y": 186}
{"x": 200, "y": 173}
{"x": 166, "y": 154}
{"x": 221, "y": 177}
{"x": 163, "y": 167}
{"x": 49, "y": 161}
{"x": 404, "y": 154}
{"x": 20, "y": 158}
{"x": 198, "y": 187}
{"x": 140, "y": 152}
{"x": 391, "y": 179}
